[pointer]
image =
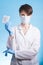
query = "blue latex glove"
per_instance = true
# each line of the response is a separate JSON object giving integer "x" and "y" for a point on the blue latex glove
{"x": 7, "y": 27}
{"x": 8, "y": 51}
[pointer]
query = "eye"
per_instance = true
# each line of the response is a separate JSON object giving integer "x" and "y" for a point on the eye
{"x": 22, "y": 14}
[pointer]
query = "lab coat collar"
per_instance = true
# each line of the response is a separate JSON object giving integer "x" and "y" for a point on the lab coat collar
{"x": 20, "y": 29}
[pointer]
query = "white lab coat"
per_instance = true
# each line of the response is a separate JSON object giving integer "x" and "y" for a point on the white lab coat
{"x": 26, "y": 46}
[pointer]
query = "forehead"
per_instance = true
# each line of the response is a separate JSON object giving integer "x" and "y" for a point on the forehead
{"x": 23, "y": 12}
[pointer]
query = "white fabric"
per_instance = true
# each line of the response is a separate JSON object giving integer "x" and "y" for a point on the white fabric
{"x": 26, "y": 46}
{"x": 25, "y": 19}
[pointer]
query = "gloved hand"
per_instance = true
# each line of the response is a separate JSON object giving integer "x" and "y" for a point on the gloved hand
{"x": 5, "y": 20}
{"x": 8, "y": 28}
{"x": 9, "y": 51}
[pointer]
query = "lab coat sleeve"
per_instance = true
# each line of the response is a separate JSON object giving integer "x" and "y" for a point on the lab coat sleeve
{"x": 31, "y": 53}
{"x": 11, "y": 43}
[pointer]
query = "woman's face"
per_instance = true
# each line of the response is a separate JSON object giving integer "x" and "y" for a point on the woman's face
{"x": 23, "y": 13}
{"x": 24, "y": 17}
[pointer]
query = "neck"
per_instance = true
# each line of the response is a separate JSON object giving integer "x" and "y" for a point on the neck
{"x": 25, "y": 25}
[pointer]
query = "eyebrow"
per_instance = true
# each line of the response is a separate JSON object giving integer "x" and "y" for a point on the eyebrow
{"x": 22, "y": 14}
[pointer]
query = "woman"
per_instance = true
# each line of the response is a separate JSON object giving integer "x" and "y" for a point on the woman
{"x": 26, "y": 39}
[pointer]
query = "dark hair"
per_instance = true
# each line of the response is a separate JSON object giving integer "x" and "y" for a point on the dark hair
{"x": 27, "y": 8}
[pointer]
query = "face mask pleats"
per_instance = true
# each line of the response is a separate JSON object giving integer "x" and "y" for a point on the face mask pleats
{"x": 25, "y": 19}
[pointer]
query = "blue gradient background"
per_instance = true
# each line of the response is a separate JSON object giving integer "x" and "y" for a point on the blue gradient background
{"x": 11, "y": 7}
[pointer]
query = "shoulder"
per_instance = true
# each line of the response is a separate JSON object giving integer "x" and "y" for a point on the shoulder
{"x": 35, "y": 29}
